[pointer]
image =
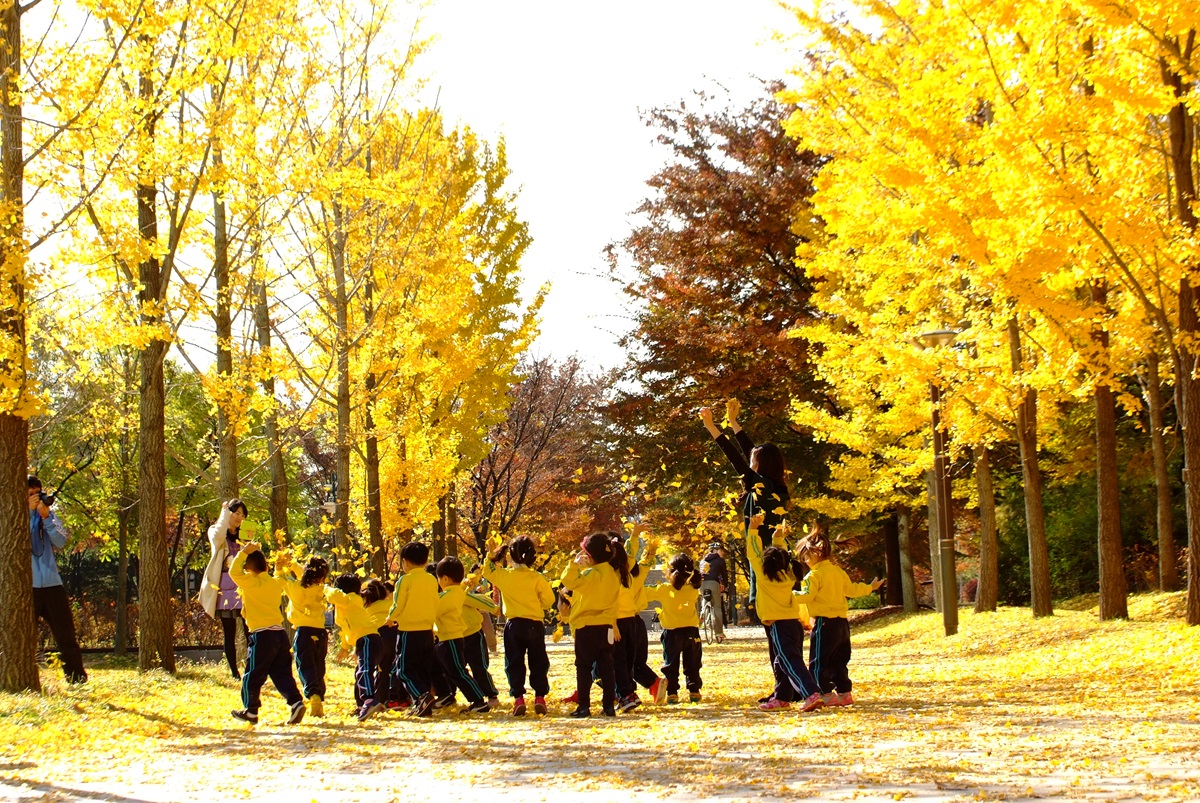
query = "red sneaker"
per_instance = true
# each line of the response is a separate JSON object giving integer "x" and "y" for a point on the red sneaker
{"x": 846, "y": 698}
{"x": 539, "y": 705}
{"x": 574, "y": 697}
{"x": 519, "y": 707}
{"x": 774, "y": 704}
{"x": 658, "y": 691}
{"x": 811, "y": 703}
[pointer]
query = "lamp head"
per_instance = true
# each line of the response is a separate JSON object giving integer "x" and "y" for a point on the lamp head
{"x": 938, "y": 337}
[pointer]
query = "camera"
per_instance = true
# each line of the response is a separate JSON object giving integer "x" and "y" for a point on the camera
{"x": 47, "y": 499}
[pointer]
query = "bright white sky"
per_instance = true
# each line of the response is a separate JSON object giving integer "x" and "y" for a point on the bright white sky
{"x": 564, "y": 83}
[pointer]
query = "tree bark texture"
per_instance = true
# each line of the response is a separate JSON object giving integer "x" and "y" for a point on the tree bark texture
{"x": 277, "y": 463}
{"x": 227, "y": 445}
{"x": 988, "y": 591}
{"x": 907, "y": 582}
{"x": 1113, "y": 600}
{"x": 894, "y": 594}
{"x": 1168, "y": 565}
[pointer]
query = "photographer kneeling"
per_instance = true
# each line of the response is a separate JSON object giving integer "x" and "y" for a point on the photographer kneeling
{"x": 49, "y": 597}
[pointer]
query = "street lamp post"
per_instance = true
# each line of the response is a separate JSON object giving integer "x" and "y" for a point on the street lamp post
{"x": 941, "y": 484}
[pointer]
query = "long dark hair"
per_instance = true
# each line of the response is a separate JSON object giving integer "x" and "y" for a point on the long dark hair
{"x": 315, "y": 571}
{"x": 770, "y": 464}
{"x": 373, "y": 591}
{"x": 604, "y": 548}
{"x": 682, "y": 569}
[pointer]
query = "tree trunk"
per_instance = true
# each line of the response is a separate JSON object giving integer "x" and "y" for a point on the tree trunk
{"x": 988, "y": 590}
{"x": 1041, "y": 599}
{"x": 934, "y": 536}
{"x": 18, "y": 636}
{"x": 276, "y": 461}
{"x": 1113, "y": 603}
{"x": 1168, "y": 568}
{"x": 439, "y": 531}
{"x": 452, "y": 521}
{"x": 125, "y": 505}
{"x": 908, "y": 585}
{"x": 341, "y": 523}
{"x": 1182, "y": 132}
{"x": 227, "y": 482}
{"x": 155, "y": 620}
{"x": 894, "y": 595}
{"x": 374, "y": 510}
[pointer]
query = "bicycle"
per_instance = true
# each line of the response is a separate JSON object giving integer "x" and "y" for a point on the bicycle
{"x": 708, "y": 618}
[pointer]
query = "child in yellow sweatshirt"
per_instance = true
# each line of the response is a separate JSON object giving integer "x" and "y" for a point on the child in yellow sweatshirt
{"x": 450, "y": 648}
{"x": 825, "y": 590}
{"x": 525, "y": 595}
{"x": 363, "y": 608}
{"x": 475, "y": 649}
{"x": 680, "y": 618}
{"x": 414, "y": 609}
{"x": 268, "y": 653}
{"x": 595, "y": 578}
{"x": 305, "y": 587}
{"x": 779, "y": 611}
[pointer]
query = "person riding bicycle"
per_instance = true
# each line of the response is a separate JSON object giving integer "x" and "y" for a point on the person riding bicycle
{"x": 714, "y": 571}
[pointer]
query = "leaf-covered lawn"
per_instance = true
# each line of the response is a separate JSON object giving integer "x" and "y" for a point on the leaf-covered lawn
{"x": 1066, "y": 708}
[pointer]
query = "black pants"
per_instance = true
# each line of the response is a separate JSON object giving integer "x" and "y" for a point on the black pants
{"x": 631, "y": 655}
{"x": 592, "y": 646}
{"x": 385, "y": 688}
{"x": 682, "y": 648}
{"x": 367, "y": 650}
{"x": 475, "y": 653}
{"x": 829, "y": 654}
{"x": 52, "y": 605}
{"x": 451, "y": 655}
{"x": 792, "y": 678}
{"x": 526, "y": 638}
{"x": 415, "y": 660}
{"x": 269, "y": 656}
{"x": 312, "y": 646}
{"x": 229, "y": 635}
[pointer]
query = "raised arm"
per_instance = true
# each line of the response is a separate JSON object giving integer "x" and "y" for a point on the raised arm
{"x": 733, "y": 408}
{"x": 481, "y": 603}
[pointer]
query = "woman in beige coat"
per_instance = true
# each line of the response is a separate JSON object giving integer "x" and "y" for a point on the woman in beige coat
{"x": 218, "y": 595}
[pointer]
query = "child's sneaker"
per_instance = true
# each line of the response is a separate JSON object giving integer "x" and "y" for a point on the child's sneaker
{"x": 573, "y": 697}
{"x": 297, "y": 713}
{"x": 316, "y": 706}
{"x": 442, "y": 702}
{"x": 580, "y": 713}
{"x": 773, "y": 704}
{"x": 368, "y": 710}
{"x": 610, "y": 710}
{"x": 845, "y": 698}
{"x": 766, "y": 699}
{"x": 493, "y": 702}
{"x": 628, "y": 703}
{"x": 480, "y": 707}
{"x": 672, "y": 699}
{"x": 694, "y": 697}
{"x": 811, "y": 703}
{"x": 831, "y": 699}
{"x": 423, "y": 707}
{"x": 658, "y": 691}
{"x": 519, "y": 706}
{"x": 245, "y": 716}
{"x": 539, "y": 705}
{"x": 396, "y": 705}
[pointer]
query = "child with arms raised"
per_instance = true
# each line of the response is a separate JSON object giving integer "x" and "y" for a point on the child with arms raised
{"x": 594, "y": 579}
{"x": 268, "y": 652}
{"x": 305, "y": 587}
{"x": 363, "y": 608}
{"x": 825, "y": 590}
{"x": 779, "y": 610}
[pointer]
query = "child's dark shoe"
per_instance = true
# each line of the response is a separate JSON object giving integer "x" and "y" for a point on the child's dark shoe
{"x": 480, "y": 707}
{"x": 580, "y": 713}
{"x": 610, "y": 710}
{"x": 297, "y": 713}
{"x": 245, "y": 716}
{"x": 694, "y": 697}
{"x": 628, "y": 703}
{"x": 442, "y": 702}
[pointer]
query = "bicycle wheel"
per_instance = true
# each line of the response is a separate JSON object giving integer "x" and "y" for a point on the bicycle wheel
{"x": 708, "y": 623}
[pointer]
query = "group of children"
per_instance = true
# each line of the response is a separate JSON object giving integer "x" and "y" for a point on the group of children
{"x": 419, "y": 643}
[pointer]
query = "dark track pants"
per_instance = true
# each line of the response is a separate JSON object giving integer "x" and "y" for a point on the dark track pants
{"x": 792, "y": 678}
{"x": 269, "y": 656}
{"x": 415, "y": 660}
{"x": 385, "y": 686}
{"x": 367, "y": 650}
{"x": 631, "y": 657}
{"x": 592, "y": 646}
{"x": 52, "y": 605}
{"x": 682, "y": 649}
{"x": 526, "y": 639}
{"x": 829, "y": 654}
{"x": 451, "y": 655}
{"x": 475, "y": 653}
{"x": 311, "y": 645}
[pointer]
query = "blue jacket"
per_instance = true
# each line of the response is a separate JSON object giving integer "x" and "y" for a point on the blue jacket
{"x": 45, "y": 535}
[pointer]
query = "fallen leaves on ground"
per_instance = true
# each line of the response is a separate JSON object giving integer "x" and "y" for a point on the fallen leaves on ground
{"x": 1011, "y": 708}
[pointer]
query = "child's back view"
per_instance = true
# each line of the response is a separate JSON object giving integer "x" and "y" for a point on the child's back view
{"x": 414, "y": 609}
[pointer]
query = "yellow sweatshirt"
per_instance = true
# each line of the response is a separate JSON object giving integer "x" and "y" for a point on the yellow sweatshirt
{"x": 414, "y": 603}
{"x": 358, "y": 620}
{"x": 680, "y": 608}
{"x": 826, "y": 588}
{"x": 594, "y": 594}
{"x": 261, "y": 595}
{"x": 472, "y": 613}
{"x": 524, "y": 592}
{"x": 776, "y": 600}
{"x": 632, "y": 600}
{"x": 306, "y": 606}
{"x": 449, "y": 619}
